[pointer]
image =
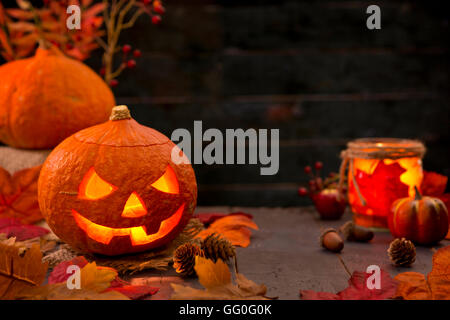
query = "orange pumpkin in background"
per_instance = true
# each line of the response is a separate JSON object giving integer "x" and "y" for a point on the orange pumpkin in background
{"x": 114, "y": 189}
{"x": 46, "y": 98}
{"x": 423, "y": 220}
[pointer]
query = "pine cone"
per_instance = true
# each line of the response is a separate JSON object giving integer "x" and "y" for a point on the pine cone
{"x": 216, "y": 247}
{"x": 184, "y": 258}
{"x": 402, "y": 252}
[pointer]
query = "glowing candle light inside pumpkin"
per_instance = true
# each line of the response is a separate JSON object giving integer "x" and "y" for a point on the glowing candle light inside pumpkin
{"x": 381, "y": 170}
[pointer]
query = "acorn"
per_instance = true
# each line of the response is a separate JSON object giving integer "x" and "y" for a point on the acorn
{"x": 331, "y": 240}
{"x": 353, "y": 232}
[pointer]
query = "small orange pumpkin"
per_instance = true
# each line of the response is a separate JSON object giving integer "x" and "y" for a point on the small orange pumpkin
{"x": 48, "y": 97}
{"x": 113, "y": 188}
{"x": 424, "y": 220}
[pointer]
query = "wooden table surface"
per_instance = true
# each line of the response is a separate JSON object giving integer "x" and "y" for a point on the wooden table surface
{"x": 285, "y": 255}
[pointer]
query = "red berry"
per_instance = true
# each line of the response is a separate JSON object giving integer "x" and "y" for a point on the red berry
{"x": 114, "y": 83}
{"x": 158, "y": 8}
{"x": 102, "y": 71}
{"x": 146, "y": 2}
{"x": 302, "y": 191}
{"x": 126, "y": 48}
{"x": 131, "y": 64}
{"x": 307, "y": 169}
{"x": 318, "y": 165}
{"x": 156, "y": 19}
{"x": 137, "y": 53}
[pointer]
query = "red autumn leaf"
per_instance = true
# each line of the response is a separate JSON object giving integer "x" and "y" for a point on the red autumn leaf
{"x": 209, "y": 217}
{"x": 387, "y": 175}
{"x": 433, "y": 184}
{"x": 59, "y": 273}
{"x": 357, "y": 289}
{"x": 13, "y": 228}
{"x": 18, "y": 195}
{"x": 131, "y": 291}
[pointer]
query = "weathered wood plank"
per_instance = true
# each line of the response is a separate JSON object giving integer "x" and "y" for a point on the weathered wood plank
{"x": 210, "y": 26}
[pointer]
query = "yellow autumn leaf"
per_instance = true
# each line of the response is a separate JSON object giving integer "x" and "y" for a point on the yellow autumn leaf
{"x": 96, "y": 278}
{"x": 216, "y": 279}
{"x": 212, "y": 274}
{"x": 94, "y": 281}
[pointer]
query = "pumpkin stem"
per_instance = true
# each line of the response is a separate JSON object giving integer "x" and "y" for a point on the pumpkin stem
{"x": 42, "y": 44}
{"x": 120, "y": 113}
{"x": 418, "y": 195}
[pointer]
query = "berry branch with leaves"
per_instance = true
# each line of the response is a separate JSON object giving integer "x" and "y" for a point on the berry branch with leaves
{"x": 25, "y": 27}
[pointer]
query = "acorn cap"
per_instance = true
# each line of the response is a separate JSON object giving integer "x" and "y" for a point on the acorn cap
{"x": 346, "y": 229}
{"x": 120, "y": 113}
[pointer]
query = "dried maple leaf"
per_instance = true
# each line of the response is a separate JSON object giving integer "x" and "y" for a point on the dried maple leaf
{"x": 134, "y": 292}
{"x": 60, "y": 275}
{"x": 209, "y": 217}
{"x": 18, "y": 273}
{"x": 216, "y": 279}
{"x": 13, "y": 228}
{"x": 433, "y": 184}
{"x": 357, "y": 289}
{"x": 380, "y": 200}
{"x": 94, "y": 282}
{"x": 233, "y": 227}
{"x": 412, "y": 286}
{"x": 18, "y": 195}
{"x": 44, "y": 244}
{"x": 436, "y": 286}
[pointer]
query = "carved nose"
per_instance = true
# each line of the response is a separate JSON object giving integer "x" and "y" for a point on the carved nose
{"x": 134, "y": 207}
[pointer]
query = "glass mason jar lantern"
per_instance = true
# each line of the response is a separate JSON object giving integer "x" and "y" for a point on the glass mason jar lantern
{"x": 380, "y": 170}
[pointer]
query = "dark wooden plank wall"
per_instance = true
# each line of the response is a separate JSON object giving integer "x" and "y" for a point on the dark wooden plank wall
{"x": 310, "y": 68}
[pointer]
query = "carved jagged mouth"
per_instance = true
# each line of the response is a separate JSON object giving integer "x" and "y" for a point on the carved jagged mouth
{"x": 138, "y": 235}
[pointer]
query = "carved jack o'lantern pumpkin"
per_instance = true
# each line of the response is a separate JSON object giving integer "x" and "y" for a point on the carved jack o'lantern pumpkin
{"x": 113, "y": 188}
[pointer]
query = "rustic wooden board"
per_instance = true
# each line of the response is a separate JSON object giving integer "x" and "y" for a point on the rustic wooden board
{"x": 285, "y": 255}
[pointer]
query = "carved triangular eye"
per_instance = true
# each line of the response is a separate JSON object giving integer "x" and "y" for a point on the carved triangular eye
{"x": 93, "y": 187}
{"x": 168, "y": 182}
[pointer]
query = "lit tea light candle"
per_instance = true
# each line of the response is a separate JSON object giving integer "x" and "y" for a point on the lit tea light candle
{"x": 380, "y": 171}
